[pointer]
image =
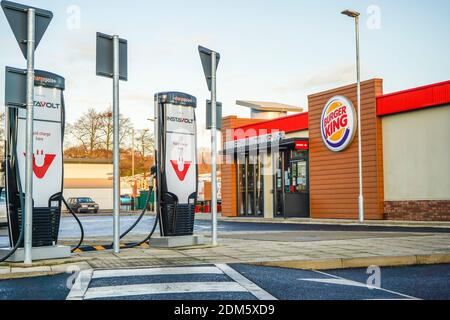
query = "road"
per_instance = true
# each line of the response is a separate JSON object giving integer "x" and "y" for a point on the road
{"x": 101, "y": 226}
{"x": 240, "y": 282}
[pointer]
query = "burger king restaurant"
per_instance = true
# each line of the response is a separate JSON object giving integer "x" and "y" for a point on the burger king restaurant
{"x": 306, "y": 165}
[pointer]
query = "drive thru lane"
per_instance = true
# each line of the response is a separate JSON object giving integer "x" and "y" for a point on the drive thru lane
{"x": 399, "y": 283}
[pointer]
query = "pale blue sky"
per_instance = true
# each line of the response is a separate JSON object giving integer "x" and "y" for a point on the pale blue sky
{"x": 271, "y": 50}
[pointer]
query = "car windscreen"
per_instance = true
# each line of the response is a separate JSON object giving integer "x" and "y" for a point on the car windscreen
{"x": 85, "y": 200}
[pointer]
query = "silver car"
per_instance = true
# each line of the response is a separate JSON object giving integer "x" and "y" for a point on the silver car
{"x": 3, "y": 218}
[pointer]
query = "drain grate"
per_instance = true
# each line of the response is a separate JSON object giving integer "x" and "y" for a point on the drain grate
{"x": 147, "y": 262}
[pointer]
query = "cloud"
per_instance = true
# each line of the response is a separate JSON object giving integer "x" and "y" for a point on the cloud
{"x": 338, "y": 75}
{"x": 325, "y": 78}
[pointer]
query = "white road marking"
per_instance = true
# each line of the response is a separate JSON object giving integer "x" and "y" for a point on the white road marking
{"x": 240, "y": 283}
{"x": 81, "y": 285}
{"x": 251, "y": 287}
{"x": 100, "y": 274}
{"x": 340, "y": 282}
{"x": 365, "y": 285}
{"x": 162, "y": 288}
{"x": 387, "y": 299}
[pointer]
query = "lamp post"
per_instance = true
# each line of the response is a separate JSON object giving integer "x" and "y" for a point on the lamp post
{"x": 355, "y": 15}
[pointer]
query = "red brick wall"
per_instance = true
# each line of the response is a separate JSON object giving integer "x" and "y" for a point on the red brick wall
{"x": 417, "y": 210}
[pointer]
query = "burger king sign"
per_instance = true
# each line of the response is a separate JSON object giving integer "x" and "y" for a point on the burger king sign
{"x": 338, "y": 123}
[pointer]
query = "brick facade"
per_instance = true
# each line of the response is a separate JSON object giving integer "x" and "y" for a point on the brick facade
{"x": 417, "y": 210}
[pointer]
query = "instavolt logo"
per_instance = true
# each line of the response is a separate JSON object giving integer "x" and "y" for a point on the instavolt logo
{"x": 48, "y": 105}
{"x": 181, "y": 120}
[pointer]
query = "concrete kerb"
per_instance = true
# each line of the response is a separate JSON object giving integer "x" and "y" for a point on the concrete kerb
{"x": 363, "y": 262}
{"x": 47, "y": 263}
{"x": 42, "y": 268}
{"x": 311, "y": 264}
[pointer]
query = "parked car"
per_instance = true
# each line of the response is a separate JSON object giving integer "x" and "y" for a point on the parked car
{"x": 83, "y": 205}
{"x": 126, "y": 200}
{"x": 3, "y": 213}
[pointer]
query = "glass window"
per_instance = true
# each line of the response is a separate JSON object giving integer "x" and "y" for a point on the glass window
{"x": 299, "y": 177}
{"x": 242, "y": 182}
{"x": 250, "y": 193}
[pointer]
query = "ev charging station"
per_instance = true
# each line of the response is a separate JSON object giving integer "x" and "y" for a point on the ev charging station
{"x": 48, "y": 136}
{"x": 177, "y": 170}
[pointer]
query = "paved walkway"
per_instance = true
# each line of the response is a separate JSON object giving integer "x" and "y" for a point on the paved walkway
{"x": 268, "y": 247}
{"x": 298, "y": 249}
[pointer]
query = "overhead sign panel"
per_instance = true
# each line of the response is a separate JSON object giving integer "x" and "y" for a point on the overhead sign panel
{"x": 15, "y": 87}
{"x": 205, "y": 56}
{"x": 17, "y": 16}
{"x": 105, "y": 56}
{"x": 209, "y": 115}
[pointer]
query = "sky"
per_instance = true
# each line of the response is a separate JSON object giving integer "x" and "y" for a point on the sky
{"x": 272, "y": 50}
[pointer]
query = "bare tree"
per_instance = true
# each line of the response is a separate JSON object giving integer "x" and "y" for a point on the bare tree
{"x": 145, "y": 143}
{"x": 107, "y": 130}
{"x": 86, "y": 131}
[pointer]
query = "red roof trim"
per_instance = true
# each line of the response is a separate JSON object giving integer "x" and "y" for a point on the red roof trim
{"x": 296, "y": 122}
{"x": 414, "y": 99}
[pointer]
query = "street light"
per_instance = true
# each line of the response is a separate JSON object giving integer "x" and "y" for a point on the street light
{"x": 355, "y": 15}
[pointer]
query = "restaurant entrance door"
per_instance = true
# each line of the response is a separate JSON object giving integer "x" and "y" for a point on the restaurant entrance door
{"x": 291, "y": 184}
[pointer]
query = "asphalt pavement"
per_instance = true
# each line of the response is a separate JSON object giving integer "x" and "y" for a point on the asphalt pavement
{"x": 241, "y": 282}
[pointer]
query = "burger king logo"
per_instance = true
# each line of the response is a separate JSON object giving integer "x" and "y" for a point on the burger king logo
{"x": 338, "y": 123}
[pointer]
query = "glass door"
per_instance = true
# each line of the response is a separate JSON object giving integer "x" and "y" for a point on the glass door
{"x": 250, "y": 193}
{"x": 299, "y": 178}
{"x": 296, "y": 198}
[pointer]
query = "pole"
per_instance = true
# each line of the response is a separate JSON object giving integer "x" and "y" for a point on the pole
{"x": 132, "y": 153}
{"x": 158, "y": 161}
{"x": 155, "y": 126}
{"x": 116, "y": 156}
{"x": 358, "y": 68}
{"x": 214, "y": 149}
{"x": 28, "y": 245}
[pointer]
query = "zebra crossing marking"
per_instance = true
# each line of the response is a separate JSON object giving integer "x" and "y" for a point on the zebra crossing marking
{"x": 239, "y": 284}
